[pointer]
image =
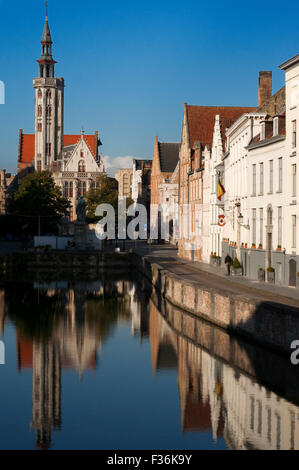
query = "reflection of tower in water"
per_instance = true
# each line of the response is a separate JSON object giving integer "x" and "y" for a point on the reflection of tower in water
{"x": 46, "y": 396}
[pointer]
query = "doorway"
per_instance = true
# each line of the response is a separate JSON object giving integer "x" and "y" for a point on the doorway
{"x": 293, "y": 273}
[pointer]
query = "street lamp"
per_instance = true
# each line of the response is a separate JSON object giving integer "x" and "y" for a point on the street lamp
{"x": 239, "y": 220}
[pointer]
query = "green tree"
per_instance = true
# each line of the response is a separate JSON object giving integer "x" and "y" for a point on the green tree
{"x": 38, "y": 196}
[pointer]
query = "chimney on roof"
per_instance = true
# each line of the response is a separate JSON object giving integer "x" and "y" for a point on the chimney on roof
{"x": 265, "y": 87}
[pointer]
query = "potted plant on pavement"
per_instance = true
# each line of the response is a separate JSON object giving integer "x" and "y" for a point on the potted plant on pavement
{"x": 218, "y": 260}
{"x": 236, "y": 268}
{"x": 261, "y": 274}
{"x": 271, "y": 275}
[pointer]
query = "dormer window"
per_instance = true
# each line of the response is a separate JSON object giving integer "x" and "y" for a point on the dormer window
{"x": 275, "y": 126}
{"x": 262, "y": 131}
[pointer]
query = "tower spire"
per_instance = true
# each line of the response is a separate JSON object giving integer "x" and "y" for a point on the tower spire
{"x": 46, "y": 62}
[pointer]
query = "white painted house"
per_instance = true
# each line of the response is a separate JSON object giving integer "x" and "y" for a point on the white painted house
{"x": 290, "y": 176}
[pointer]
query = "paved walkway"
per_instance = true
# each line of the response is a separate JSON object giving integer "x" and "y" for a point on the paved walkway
{"x": 212, "y": 276}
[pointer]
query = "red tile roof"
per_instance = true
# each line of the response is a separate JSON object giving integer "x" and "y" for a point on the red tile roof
{"x": 27, "y": 145}
{"x": 201, "y": 121}
{"x": 25, "y": 356}
{"x": 91, "y": 140}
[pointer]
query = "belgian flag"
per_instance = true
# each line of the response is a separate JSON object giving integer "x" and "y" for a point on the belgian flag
{"x": 220, "y": 190}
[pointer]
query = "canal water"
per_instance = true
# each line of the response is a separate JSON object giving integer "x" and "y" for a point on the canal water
{"x": 98, "y": 365}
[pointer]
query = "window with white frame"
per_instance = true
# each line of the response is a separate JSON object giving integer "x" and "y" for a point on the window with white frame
{"x": 294, "y": 175}
{"x": 271, "y": 176}
{"x": 280, "y": 175}
{"x": 294, "y": 231}
{"x": 261, "y": 179}
{"x": 254, "y": 226}
{"x": 279, "y": 234}
{"x": 294, "y": 134}
{"x": 253, "y": 180}
{"x": 261, "y": 225}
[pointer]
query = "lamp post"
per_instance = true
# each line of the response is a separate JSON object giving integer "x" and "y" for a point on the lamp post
{"x": 239, "y": 221}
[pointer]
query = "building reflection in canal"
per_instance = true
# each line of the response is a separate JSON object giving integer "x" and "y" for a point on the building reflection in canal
{"x": 71, "y": 326}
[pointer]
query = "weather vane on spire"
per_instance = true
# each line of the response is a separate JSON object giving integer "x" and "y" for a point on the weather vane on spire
{"x": 46, "y": 7}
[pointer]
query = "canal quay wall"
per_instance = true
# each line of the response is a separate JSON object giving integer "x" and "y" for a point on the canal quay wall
{"x": 56, "y": 261}
{"x": 188, "y": 333}
{"x": 271, "y": 324}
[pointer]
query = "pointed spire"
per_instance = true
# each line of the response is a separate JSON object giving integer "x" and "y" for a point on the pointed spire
{"x": 46, "y": 62}
{"x": 46, "y": 34}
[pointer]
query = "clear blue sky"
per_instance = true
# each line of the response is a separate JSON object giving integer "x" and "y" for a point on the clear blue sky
{"x": 130, "y": 66}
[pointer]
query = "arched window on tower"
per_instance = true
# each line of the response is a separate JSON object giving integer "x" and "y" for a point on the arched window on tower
{"x": 39, "y": 93}
{"x": 48, "y": 95}
{"x": 81, "y": 166}
{"x": 39, "y": 110}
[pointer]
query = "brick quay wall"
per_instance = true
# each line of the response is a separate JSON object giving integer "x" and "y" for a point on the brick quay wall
{"x": 271, "y": 324}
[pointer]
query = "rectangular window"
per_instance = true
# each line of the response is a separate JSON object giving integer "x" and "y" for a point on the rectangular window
{"x": 39, "y": 165}
{"x": 294, "y": 171}
{"x": 253, "y": 180}
{"x": 254, "y": 226}
{"x": 294, "y": 134}
{"x": 280, "y": 175}
{"x": 279, "y": 235}
{"x": 261, "y": 226}
{"x": 261, "y": 179}
{"x": 294, "y": 231}
{"x": 271, "y": 176}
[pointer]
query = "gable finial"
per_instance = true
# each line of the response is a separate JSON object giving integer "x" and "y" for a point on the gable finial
{"x": 82, "y": 130}
{"x": 47, "y": 8}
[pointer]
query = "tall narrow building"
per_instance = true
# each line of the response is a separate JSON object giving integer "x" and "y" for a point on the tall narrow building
{"x": 49, "y": 103}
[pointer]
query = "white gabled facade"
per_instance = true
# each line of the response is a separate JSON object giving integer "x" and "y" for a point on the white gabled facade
{"x": 266, "y": 209}
{"x": 236, "y": 181}
{"x": 82, "y": 160}
{"x": 78, "y": 172}
{"x": 291, "y": 160}
{"x": 216, "y": 206}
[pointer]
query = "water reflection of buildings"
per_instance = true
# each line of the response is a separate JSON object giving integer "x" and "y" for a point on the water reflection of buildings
{"x": 75, "y": 344}
{"x": 215, "y": 397}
